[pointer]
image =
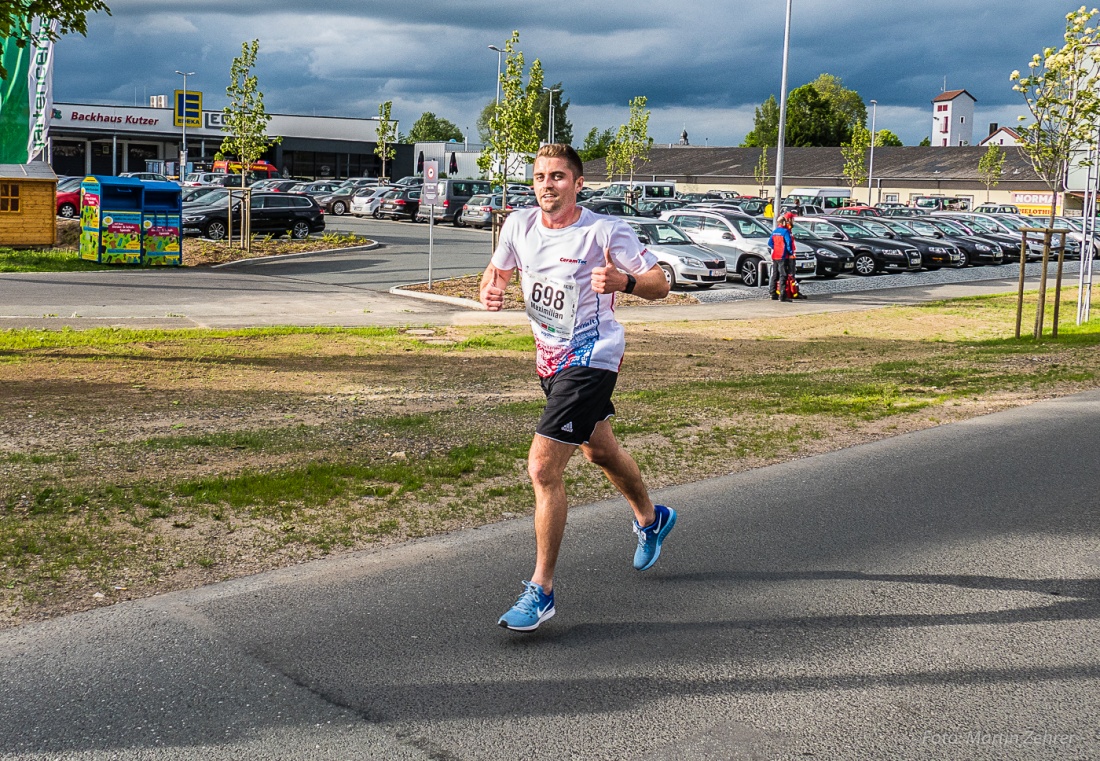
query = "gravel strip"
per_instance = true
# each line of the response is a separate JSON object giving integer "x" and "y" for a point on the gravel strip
{"x": 899, "y": 280}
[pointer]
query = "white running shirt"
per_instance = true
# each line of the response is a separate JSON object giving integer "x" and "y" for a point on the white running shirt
{"x": 573, "y": 325}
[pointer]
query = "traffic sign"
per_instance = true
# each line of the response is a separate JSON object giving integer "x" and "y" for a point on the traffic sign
{"x": 188, "y": 106}
{"x": 429, "y": 192}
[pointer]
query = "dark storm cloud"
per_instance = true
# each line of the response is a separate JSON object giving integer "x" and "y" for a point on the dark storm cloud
{"x": 697, "y": 62}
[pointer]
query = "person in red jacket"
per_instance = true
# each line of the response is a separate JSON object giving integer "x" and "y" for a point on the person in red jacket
{"x": 781, "y": 244}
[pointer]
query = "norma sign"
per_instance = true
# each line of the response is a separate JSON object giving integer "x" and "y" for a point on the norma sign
{"x": 188, "y": 108}
{"x": 429, "y": 193}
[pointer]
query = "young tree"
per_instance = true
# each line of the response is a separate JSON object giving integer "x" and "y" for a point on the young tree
{"x": 596, "y": 144}
{"x": 855, "y": 157}
{"x": 886, "y": 138}
{"x": 760, "y": 172}
{"x": 991, "y": 167}
{"x": 632, "y": 142}
{"x": 512, "y": 126}
{"x": 387, "y": 136}
{"x": 1061, "y": 93}
{"x": 431, "y": 128}
{"x": 71, "y": 16}
{"x": 244, "y": 120}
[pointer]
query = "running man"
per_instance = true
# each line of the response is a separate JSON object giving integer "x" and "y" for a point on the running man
{"x": 572, "y": 261}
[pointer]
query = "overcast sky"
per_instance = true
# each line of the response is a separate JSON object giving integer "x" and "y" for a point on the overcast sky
{"x": 703, "y": 65}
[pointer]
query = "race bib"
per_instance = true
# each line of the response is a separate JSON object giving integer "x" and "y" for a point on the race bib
{"x": 551, "y": 303}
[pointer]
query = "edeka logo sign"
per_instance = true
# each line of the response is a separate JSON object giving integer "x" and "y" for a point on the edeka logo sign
{"x": 214, "y": 119}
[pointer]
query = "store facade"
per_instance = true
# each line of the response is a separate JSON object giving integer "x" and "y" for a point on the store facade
{"x": 109, "y": 140}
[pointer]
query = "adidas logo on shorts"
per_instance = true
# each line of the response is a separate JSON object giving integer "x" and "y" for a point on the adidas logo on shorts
{"x": 568, "y": 427}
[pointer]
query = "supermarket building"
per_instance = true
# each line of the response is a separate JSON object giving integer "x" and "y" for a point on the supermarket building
{"x": 108, "y": 140}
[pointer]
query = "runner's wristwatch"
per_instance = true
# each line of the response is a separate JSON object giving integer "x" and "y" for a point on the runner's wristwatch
{"x": 631, "y": 281}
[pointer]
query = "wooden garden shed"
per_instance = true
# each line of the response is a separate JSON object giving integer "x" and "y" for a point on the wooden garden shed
{"x": 28, "y": 199}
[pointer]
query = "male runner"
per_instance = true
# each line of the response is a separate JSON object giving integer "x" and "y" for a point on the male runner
{"x": 569, "y": 260}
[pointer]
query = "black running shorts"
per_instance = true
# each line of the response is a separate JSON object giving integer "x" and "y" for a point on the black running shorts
{"x": 576, "y": 399}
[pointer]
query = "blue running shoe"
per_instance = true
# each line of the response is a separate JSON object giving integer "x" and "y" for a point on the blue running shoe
{"x": 650, "y": 537}
{"x": 532, "y": 608}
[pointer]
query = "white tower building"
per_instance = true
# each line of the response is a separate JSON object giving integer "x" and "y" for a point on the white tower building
{"x": 953, "y": 118}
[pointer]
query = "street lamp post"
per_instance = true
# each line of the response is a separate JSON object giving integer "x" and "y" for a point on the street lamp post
{"x": 504, "y": 160}
{"x": 550, "y": 116}
{"x": 183, "y": 146}
{"x": 871, "y": 163}
{"x": 782, "y": 117}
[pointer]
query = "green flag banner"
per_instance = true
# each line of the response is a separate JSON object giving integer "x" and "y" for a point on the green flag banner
{"x": 26, "y": 97}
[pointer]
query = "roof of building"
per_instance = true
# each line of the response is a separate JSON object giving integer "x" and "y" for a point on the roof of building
{"x": 824, "y": 166}
{"x": 36, "y": 170}
{"x": 951, "y": 95}
{"x": 1007, "y": 130}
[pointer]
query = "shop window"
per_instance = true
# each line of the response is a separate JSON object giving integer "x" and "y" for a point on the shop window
{"x": 9, "y": 197}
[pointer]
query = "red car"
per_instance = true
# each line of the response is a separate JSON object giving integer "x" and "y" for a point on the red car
{"x": 68, "y": 198}
{"x": 858, "y": 211}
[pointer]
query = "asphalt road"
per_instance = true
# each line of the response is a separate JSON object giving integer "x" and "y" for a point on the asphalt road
{"x": 933, "y": 595}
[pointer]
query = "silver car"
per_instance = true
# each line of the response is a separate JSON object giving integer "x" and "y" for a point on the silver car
{"x": 366, "y": 200}
{"x": 683, "y": 262}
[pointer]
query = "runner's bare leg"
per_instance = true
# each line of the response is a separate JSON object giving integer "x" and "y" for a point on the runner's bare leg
{"x": 546, "y": 464}
{"x": 603, "y": 449}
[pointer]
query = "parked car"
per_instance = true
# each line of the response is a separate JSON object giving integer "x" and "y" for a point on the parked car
{"x": 275, "y": 213}
{"x": 452, "y": 195}
{"x": 833, "y": 258}
{"x": 997, "y": 208}
{"x": 857, "y": 211}
{"x": 1004, "y": 225}
{"x": 195, "y": 192}
{"x": 741, "y": 239}
{"x": 366, "y": 200}
{"x": 980, "y": 229}
{"x": 316, "y": 188}
{"x": 200, "y": 178}
{"x": 478, "y": 211}
{"x": 934, "y": 252}
{"x": 902, "y": 211}
{"x": 68, "y": 197}
{"x": 873, "y": 253}
{"x": 338, "y": 202}
{"x": 215, "y": 194}
{"x": 973, "y": 250}
{"x": 401, "y": 203}
{"x": 146, "y": 176}
{"x": 275, "y": 186}
{"x": 649, "y": 208}
{"x": 610, "y": 206}
{"x": 406, "y": 182}
{"x": 683, "y": 262}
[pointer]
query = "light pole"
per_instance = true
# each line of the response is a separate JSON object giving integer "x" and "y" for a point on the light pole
{"x": 871, "y": 163}
{"x": 550, "y": 117}
{"x": 782, "y": 117}
{"x": 504, "y": 160}
{"x": 183, "y": 146}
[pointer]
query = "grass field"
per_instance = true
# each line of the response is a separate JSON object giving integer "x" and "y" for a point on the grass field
{"x": 136, "y": 462}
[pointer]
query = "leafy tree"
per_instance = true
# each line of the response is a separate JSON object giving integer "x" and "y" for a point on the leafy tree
{"x": 387, "y": 136}
{"x": 71, "y": 16}
{"x": 431, "y": 128}
{"x": 811, "y": 121}
{"x": 884, "y": 138}
{"x": 765, "y": 129}
{"x": 855, "y": 157}
{"x": 760, "y": 172}
{"x": 245, "y": 120}
{"x": 512, "y": 126}
{"x": 483, "y": 120}
{"x": 925, "y": 141}
{"x": 563, "y": 128}
{"x": 596, "y": 144}
{"x": 847, "y": 106}
{"x": 632, "y": 142}
{"x": 991, "y": 167}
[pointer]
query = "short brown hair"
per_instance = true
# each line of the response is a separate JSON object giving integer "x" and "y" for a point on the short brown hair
{"x": 563, "y": 151}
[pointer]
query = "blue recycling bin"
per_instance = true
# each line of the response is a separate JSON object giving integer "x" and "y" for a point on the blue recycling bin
{"x": 110, "y": 219}
{"x": 160, "y": 224}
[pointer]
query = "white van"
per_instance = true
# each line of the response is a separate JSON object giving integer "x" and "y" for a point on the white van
{"x": 826, "y": 198}
{"x": 648, "y": 191}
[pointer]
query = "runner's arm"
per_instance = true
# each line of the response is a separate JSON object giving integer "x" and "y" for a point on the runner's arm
{"x": 651, "y": 285}
{"x": 493, "y": 283}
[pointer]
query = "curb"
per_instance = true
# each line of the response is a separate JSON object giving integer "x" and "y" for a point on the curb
{"x": 399, "y": 290}
{"x": 277, "y": 257}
